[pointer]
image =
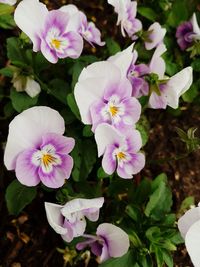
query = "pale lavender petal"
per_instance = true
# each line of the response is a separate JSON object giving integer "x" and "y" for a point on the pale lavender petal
{"x": 92, "y": 34}
{"x": 55, "y": 218}
{"x": 69, "y": 235}
{"x": 96, "y": 116}
{"x": 136, "y": 164}
{"x": 8, "y": 2}
{"x": 133, "y": 110}
{"x": 108, "y": 161}
{"x": 105, "y": 135}
{"x": 195, "y": 25}
{"x": 26, "y": 131}
{"x": 188, "y": 219}
{"x": 121, "y": 171}
{"x": 54, "y": 179}
{"x": 156, "y": 36}
{"x": 62, "y": 144}
{"x": 104, "y": 253}
{"x": 192, "y": 242}
{"x": 134, "y": 140}
{"x": 49, "y": 53}
{"x": 116, "y": 239}
{"x": 80, "y": 204}
{"x": 26, "y": 171}
{"x": 91, "y": 214}
{"x": 30, "y": 17}
{"x": 157, "y": 101}
{"x": 56, "y": 19}
{"x": 157, "y": 64}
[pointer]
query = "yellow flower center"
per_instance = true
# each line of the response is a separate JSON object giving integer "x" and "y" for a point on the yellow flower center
{"x": 48, "y": 159}
{"x": 121, "y": 155}
{"x": 113, "y": 110}
{"x": 56, "y": 43}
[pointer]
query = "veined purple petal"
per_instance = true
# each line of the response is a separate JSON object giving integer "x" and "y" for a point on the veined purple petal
{"x": 108, "y": 162}
{"x": 63, "y": 145}
{"x": 48, "y": 53}
{"x": 26, "y": 171}
{"x": 69, "y": 235}
{"x": 132, "y": 111}
{"x": 54, "y": 179}
{"x": 184, "y": 35}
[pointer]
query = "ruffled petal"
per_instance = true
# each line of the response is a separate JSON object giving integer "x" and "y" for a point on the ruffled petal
{"x": 80, "y": 204}
{"x": 54, "y": 179}
{"x": 116, "y": 239}
{"x": 188, "y": 219}
{"x": 108, "y": 162}
{"x": 55, "y": 218}
{"x": 26, "y": 131}
{"x": 30, "y": 17}
{"x": 192, "y": 242}
{"x": 178, "y": 85}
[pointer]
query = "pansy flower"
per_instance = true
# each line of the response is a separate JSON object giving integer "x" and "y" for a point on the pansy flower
{"x": 187, "y": 32}
{"x": 110, "y": 241}
{"x": 103, "y": 94}
{"x": 36, "y": 148}
{"x": 154, "y": 36}
{"x": 189, "y": 227}
{"x": 120, "y": 151}
{"x": 69, "y": 220}
{"x": 126, "y": 11}
{"x": 86, "y": 29}
{"x": 48, "y": 30}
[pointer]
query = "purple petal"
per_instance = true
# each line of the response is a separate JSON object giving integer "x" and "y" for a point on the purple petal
{"x": 26, "y": 171}
{"x": 132, "y": 111}
{"x": 69, "y": 235}
{"x": 54, "y": 179}
{"x": 116, "y": 239}
{"x": 157, "y": 102}
{"x": 108, "y": 162}
{"x": 48, "y": 53}
{"x": 56, "y": 19}
{"x": 62, "y": 144}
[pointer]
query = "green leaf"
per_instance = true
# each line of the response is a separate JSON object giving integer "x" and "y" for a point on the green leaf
{"x": 143, "y": 127}
{"x": 160, "y": 200}
{"x": 143, "y": 191}
{"x": 59, "y": 89}
{"x": 77, "y": 68}
{"x": 185, "y": 205}
{"x": 89, "y": 157}
{"x": 21, "y": 101}
{"x": 73, "y": 106}
{"x": 124, "y": 261}
{"x": 191, "y": 94}
{"x": 101, "y": 174}
{"x": 7, "y": 22}
{"x": 167, "y": 257}
{"x": 7, "y": 72}
{"x": 179, "y": 13}
{"x": 196, "y": 65}
{"x": 18, "y": 196}
{"x": 15, "y": 52}
{"x": 87, "y": 132}
{"x": 147, "y": 12}
{"x": 113, "y": 46}
{"x": 6, "y": 9}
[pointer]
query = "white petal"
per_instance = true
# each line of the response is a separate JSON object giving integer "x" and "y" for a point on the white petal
{"x": 188, "y": 219}
{"x": 195, "y": 25}
{"x": 116, "y": 239}
{"x": 119, "y": 8}
{"x": 30, "y": 17}
{"x": 157, "y": 35}
{"x": 123, "y": 59}
{"x": 177, "y": 86}
{"x": 80, "y": 204}
{"x": 74, "y": 17}
{"x": 8, "y": 2}
{"x": 105, "y": 135}
{"x": 55, "y": 218}
{"x": 91, "y": 86}
{"x": 32, "y": 87}
{"x": 157, "y": 64}
{"x": 27, "y": 129}
{"x": 192, "y": 242}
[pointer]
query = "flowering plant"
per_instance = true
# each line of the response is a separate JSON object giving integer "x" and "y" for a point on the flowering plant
{"x": 84, "y": 105}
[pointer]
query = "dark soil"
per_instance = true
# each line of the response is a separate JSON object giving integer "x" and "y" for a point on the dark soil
{"x": 28, "y": 240}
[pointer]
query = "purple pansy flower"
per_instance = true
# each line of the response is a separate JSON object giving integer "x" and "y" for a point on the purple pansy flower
{"x": 48, "y": 30}
{"x": 86, "y": 29}
{"x": 119, "y": 151}
{"x": 189, "y": 227}
{"x": 69, "y": 220}
{"x": 126, "y": 11}
{"x": 104, "y": 95}
{"x": 36, "y": 148}
{"x": 155, "y": 36}
{"x": 187, "y": 32}
{"x": 126, "y": 62}
{"x": 110, "y": 242}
